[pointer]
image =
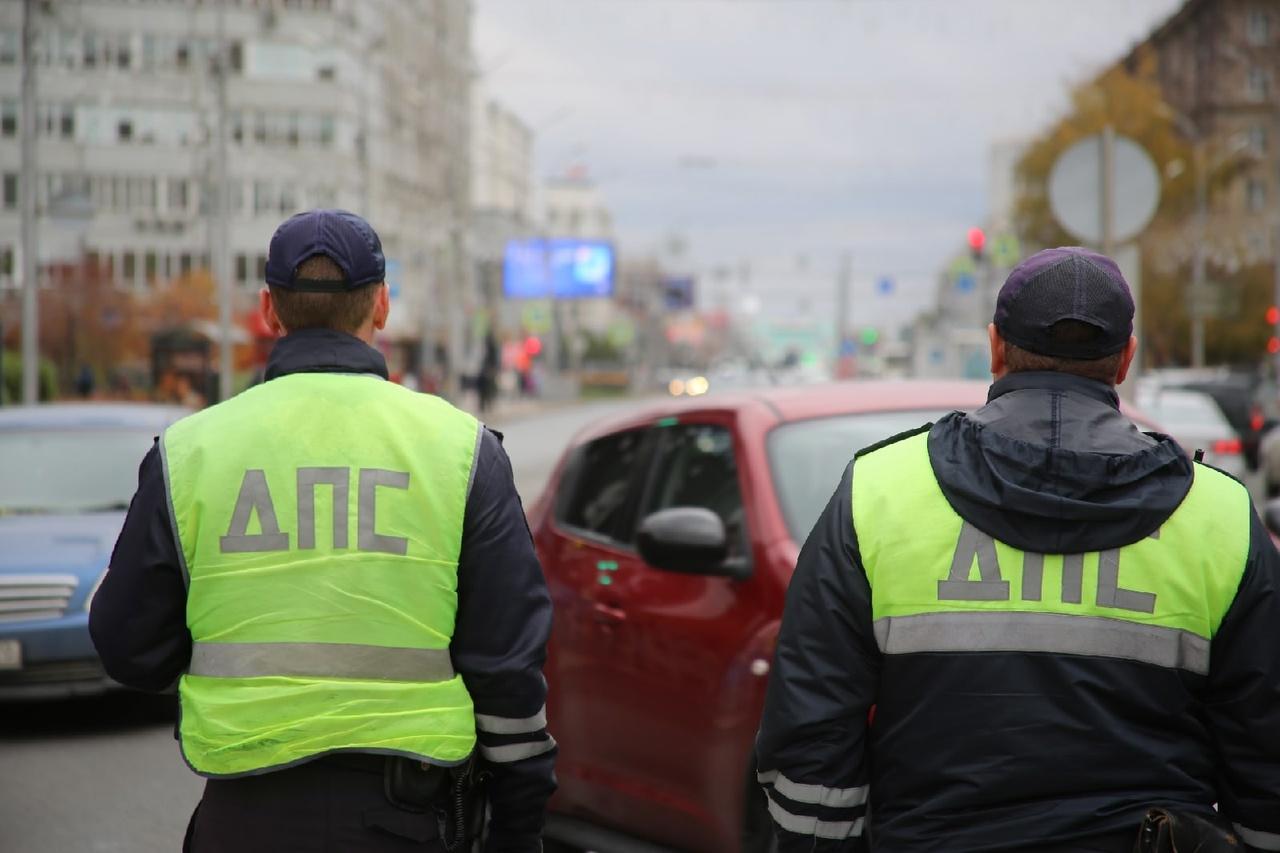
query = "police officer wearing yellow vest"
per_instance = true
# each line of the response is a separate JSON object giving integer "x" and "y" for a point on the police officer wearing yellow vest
{"x": 337, "y": 573}
{"x": 1027, "y": 627}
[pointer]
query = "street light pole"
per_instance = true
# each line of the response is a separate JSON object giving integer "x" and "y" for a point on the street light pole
{"x": 221, "y": 237}
{"x": 27, "y": 191}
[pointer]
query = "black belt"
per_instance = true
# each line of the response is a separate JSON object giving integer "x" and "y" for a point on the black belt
{"x": 366, "y": 762}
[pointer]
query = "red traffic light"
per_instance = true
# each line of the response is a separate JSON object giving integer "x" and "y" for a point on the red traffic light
{"x": 1273, "y": 345}
{"x": 1273, "y": 315}
{"x": 977, "y": 239}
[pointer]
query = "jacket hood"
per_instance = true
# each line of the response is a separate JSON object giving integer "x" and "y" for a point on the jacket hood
{"x": 1051, "y": 465}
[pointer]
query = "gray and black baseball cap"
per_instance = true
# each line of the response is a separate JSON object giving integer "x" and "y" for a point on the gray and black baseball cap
{"x": 1067, "y": 283}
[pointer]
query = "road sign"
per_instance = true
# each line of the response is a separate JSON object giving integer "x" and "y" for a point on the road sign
{"x": 965, "y": 282}
{"x": 1075, "y": 189}
{"x": 1005, "y": 251}
{"x": 884, "y": 285}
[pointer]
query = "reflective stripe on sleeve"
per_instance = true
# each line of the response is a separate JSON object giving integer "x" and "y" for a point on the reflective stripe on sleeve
{"x": 804, "y": 825}
{"x": 512, "y": 725}
{"x": 818, "y": 795}
{"x": 517, "y": 751}
{"x": 1257, "y": 838}
{"x": 319, "y": 660}
{"x": 1005, "y": 631}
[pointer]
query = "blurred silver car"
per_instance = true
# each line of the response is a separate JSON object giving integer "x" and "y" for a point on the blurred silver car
{"x": 1196, "y": 422}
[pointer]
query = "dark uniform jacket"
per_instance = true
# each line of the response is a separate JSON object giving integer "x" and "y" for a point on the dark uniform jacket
{"x": 138, "y": 621}
{"x": 972, "y": 751}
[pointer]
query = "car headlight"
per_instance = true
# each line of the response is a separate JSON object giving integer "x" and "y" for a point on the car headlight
{"x": 88, "y": 601}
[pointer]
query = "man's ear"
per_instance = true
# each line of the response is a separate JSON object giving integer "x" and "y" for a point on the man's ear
{"x": 1130, "y": 350}
{"x": 268, "y": 308}
{"x": 997, "y": 351}
{"x": 382, "y": 307}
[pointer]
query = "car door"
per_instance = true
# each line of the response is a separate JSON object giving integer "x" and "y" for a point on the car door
{"x": 587, "y": 549}
{"x": 681, "y": 657}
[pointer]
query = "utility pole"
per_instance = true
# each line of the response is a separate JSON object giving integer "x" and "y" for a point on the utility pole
{"x": 1198, "y": 272}
{"x": 844, "y": 285}
{"x": 27, "y": 191}
{"x": 1106, "y": 200}
{"x": 221, "y": 237}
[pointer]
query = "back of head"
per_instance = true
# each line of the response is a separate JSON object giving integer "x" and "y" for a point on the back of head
{"x": 1067, "y": 310}
{"x": 324, "y": 268}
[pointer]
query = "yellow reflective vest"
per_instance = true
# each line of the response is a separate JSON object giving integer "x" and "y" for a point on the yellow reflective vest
{"x": 939, "y": 584}
{"x": 319, "y": 517}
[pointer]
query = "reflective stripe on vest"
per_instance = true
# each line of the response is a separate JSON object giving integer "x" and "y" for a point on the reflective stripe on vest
{"x": 319, "y": 517}
{"x": 941, "y": 585}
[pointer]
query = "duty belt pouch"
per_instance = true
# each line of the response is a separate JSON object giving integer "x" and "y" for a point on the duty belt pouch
{"x": 1165, "y": 831}
{"x": 414, "y": 785}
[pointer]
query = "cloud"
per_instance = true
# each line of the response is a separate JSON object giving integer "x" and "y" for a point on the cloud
{"x": 814, "y": 125}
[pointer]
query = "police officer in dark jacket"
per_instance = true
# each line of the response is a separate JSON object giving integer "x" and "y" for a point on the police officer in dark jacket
{"x": 356, "y": 659}
{"x": 1023, "y": 628}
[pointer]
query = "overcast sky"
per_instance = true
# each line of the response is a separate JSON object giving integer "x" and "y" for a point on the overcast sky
{"x": 765, "y": 131}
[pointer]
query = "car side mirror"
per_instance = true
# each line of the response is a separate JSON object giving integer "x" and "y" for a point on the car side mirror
{"x": 690, "y": 540}
{"x": 1271, "y": 515}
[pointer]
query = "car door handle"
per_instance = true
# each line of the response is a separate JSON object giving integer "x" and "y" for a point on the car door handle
{"x": 607, "y": 613}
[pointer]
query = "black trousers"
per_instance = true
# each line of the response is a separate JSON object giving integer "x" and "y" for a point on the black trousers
{"x": 324, "y": 806}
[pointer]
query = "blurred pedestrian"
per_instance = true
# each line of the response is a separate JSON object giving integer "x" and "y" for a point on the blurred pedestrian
{"x": 1112, "y": 660}
{"x": 337, "y": 574}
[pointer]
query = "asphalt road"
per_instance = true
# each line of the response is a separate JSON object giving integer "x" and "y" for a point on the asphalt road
{"x": 104, "y": 774}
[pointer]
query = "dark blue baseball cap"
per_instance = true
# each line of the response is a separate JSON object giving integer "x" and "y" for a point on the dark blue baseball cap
{"x": 1067, "y": 283}
{"x": 345, "y": 238}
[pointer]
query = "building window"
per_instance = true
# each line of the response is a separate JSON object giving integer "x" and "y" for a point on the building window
{"x": 242, "y": 268}
{"x": 326, "y": 130}
{"x": 150, "y": 266}
{"x": 1257, "y": 136}
{"x": 129, "y": 266}
{"x": 10, "y": 197}
{"x": 261, "y": 267}
{"x": 177, "y": 196}
{"x": 124, "y": 130}
{"x": 6, "y": 263}
{"x": 9, "y": 47}
{"x": 262, "y": 200}
{"x": 8, "y": 118}
{"x": 1258, "y": 26}
{"x": 1256, "y": 195}
{"x": 259, "y": 127}
{"x": 235, "y": 56}
{"x": 67, "y": 122}
{"x": 1258, "y": 86}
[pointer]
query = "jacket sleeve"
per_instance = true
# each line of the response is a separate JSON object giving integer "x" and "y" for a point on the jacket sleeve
{"x": 811, "y": 749}
{"x": 499, "y": 647}
{"x": 1243, "y": 700}
{"x": 138, "y": 620}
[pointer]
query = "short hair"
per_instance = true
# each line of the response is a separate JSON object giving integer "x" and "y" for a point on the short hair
{"x": 343, "y": 311}
{"x": 1105, "y": 369}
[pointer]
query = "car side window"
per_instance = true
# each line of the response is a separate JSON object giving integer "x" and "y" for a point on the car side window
{"x": 696, "y": 467}
{"x": 597, "y": 490}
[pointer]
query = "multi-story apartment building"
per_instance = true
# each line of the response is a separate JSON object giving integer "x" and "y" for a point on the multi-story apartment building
{"x": 1217, "y": 63}
{"x": 361, "y": 104}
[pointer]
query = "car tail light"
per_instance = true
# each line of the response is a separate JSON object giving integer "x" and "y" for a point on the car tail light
{"x": 1227, "y": 446}
{"x": 1256, "y": 420}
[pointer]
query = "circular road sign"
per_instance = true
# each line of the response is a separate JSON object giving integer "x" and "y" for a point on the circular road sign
{"x": 1075, "y": 188}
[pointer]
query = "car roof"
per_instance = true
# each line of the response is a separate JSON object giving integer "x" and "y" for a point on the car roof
{"x": 90, "y": 415}
{"x": 803, "y": 402}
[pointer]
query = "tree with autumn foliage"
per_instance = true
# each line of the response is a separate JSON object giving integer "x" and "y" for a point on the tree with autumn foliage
{"x": 1132, "y": 104}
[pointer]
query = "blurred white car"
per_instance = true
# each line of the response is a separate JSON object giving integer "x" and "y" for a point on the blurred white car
{"x": 1196, "y": 422}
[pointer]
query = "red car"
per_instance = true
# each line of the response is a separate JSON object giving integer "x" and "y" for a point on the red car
{"x": 668, "y": 538}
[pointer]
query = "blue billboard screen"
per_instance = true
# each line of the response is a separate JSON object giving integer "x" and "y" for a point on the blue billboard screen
{"x": 562, "y": 268}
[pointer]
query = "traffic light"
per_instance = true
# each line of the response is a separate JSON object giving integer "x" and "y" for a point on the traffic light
{"x": 977, "y": 242}
{"x": 869, "y": 336}
{"x": 1273, "y": 315}
{"x": 1273, "y": 345}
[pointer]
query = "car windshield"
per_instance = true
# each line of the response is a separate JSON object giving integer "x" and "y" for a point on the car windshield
{"x": 801, "y": 454}
{"x": 70, "y": 470}
{"x": 1182, "y": 409}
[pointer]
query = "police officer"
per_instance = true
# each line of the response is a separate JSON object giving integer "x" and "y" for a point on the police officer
{"x": 337, "y": 573}
{"x": 1023, "y": 628}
